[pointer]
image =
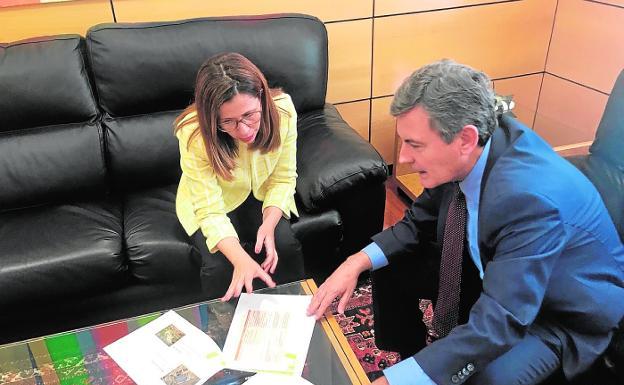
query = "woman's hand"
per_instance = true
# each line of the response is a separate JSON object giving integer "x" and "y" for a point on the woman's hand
{"x": 266, "y": 237}
{"x": 245, "y": 268}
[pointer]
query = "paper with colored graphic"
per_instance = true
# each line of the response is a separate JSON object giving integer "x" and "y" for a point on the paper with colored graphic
{"x": 167, "y": 351}
{"x": 269, "y": 333}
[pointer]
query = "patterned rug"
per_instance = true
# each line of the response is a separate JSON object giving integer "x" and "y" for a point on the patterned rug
{"x": 357, "y": 325}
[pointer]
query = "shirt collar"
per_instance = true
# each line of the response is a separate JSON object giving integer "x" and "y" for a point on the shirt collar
{"x": 471, "y": 185}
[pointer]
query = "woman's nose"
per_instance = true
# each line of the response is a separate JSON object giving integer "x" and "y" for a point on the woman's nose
{"x": 243, "y": 129}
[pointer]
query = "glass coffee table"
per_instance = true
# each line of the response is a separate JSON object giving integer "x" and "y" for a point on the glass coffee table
{"x": 77, "y": 357}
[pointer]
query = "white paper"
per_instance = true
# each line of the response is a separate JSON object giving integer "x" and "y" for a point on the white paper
{"x": 169, "y": 350}
{"x": 273, "y": 379}
{"x": 269, "y": 333}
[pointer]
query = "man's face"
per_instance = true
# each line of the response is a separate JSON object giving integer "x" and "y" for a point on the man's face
{"x": 436, "y": 161}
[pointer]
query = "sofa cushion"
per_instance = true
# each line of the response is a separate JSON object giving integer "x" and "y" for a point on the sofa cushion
{"x": 147, "y": 67}
{"x": 333, "y": 160}
{"x": 51, "y": 164}
{"x": 104, "y": 306}
{"x": 60, "y": 253}
{"x": 50, "y": 145}
{"x": 143, "y": 150}
{"x": 158, "y": 249}
{"x": 44, "y": 82}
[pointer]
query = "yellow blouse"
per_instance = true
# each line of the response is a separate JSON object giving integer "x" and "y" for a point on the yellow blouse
{"x": 204, "y": 198}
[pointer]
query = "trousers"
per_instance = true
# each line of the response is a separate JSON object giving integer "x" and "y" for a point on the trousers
{"x": 216, "y": 270}
{"x": 397, "y": 290}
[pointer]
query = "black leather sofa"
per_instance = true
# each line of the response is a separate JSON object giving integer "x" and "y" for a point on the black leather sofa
{"x": 604, "y": 166}
{"x": 89, "y": 165}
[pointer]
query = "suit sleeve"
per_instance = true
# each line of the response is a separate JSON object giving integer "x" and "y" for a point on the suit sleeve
{"x": 417, "y": 227}
{"x": 281, "y": 183}
{"x": 529, "y": 238}
{"x": 205, "y": 193}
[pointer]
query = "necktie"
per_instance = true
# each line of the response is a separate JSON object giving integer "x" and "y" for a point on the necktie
{"x": 446, "y": 311}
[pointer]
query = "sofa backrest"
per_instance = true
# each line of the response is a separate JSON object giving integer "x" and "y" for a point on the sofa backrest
{"x": 609, "y": 146}
{"x": 604, "y": 166}
{"x": 50, "y": 141}
{"x": 609, "y": 141}
{"x": 144, "y": 74}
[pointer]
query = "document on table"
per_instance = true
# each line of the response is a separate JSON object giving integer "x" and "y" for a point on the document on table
{"x": 269, "y": 333}
{"x": 169, "y": 350}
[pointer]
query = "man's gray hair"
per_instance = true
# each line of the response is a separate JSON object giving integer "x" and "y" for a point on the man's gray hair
{"x": 454, "y": 95}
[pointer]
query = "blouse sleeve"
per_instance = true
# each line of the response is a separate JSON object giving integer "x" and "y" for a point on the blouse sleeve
{"x": 205, "y": 193}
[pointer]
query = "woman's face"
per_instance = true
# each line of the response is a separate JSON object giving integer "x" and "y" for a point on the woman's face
{"x": 240, "y": 117}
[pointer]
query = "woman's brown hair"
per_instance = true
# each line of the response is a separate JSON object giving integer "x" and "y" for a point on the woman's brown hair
{"x": 219, "y": 79}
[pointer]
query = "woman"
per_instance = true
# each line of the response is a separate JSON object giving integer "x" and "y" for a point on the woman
{"x": 236, "y": 194}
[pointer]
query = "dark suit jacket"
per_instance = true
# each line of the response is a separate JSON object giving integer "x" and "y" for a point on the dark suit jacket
{"x": 553, "y": 262}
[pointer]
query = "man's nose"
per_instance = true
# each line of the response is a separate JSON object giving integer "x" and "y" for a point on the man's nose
{"x": 403, "y": 154}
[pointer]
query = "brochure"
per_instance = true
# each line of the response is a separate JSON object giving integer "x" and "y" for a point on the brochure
{"x": 169, "y": 351}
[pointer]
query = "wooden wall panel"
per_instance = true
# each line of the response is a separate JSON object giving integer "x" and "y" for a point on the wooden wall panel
{"x": 155, "y": 10}
{"x": 525, "y": 91}
{"x": 383, "y": 128}
{"x": 619, "y": 3}
{"x": 349, "y": 60}
{"x": 357, "y": 115}
{"x": 502, "y": 39}
{"x": 388, "y": 7}
{"x": 28, "y": 21}
{"x": 567, "y": 112}
{"x": 588, "y": 44}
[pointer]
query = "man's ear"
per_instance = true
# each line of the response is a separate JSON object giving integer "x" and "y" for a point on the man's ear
{"x": 469, "y": 138}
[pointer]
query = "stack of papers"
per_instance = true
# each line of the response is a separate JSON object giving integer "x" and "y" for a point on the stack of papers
{"x": 269, "y": 335}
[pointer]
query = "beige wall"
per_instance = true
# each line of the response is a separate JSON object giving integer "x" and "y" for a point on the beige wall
{"x": 375, "y": 44}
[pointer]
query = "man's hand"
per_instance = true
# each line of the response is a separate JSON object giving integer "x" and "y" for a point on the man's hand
{"x": 340, "y": 284}
{"x": 380, "y": 381}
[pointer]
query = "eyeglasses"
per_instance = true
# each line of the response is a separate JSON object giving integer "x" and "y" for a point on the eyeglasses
{"x": 248, "y": 119}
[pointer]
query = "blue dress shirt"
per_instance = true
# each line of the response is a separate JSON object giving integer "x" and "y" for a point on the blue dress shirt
{"x": 408, "y": 372}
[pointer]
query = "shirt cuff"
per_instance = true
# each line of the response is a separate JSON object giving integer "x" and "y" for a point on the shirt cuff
{"x": 376, "y": 255}
{"x": 407, "y": 372}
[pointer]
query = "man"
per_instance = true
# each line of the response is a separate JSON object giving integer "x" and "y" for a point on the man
{"x": 511, "y": 242}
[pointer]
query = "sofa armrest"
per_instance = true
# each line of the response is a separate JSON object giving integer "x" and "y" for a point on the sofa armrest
{"x": 333, "y": 160}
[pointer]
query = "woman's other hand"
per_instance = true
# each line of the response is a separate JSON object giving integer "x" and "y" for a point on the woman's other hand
{"x": 266, "y": 238}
